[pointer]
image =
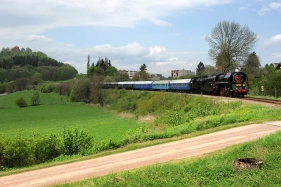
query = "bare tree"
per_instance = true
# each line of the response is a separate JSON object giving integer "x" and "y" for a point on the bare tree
{"x": 230, "y": 44}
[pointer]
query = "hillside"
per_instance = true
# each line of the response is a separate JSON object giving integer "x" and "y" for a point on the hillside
{"x": 18, "y": 63}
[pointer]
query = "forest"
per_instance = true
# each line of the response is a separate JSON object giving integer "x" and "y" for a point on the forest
{"x": 16, "y": 63}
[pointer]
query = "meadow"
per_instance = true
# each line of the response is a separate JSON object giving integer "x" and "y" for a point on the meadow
{"x": 55, "y": 114}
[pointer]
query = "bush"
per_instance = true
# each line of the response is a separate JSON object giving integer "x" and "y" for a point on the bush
{"x": 17, "y": 152}
{"x": 21, "y": 102}
{"x": 75, "y": 141}
{"x": 35, "y": 99}
{"x": 81, "y": 91}
{"x": 47, "y": 87}
{"x": 46, "y": 147}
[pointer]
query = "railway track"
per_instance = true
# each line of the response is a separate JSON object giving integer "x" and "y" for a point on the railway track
{"x": 263, "y": 100}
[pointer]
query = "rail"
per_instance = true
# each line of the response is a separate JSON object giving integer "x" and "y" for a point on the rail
{"x": 263, "y": 100}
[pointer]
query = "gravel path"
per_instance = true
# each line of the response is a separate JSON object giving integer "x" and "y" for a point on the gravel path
{"x": 141, "y": 157}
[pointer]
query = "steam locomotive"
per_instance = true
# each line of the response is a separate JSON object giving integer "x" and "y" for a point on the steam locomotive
{"x": 234, "y": 84}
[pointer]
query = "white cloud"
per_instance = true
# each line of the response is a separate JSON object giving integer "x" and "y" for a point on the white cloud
{"x": 263, "y": 11}
{"x": 160, "y": 22}
{"x": 37, "y": 38}
{"x": 33, "y": 16}
{"x": 247, "y": 7}
{"x": 129, "y": 57}
{"x": 270, "y": 7}
{"x": 157, "y": 53}
{"x": 276, "y": 55}
{"x": 273, "y": 41}
{"x": 275, "y": 5}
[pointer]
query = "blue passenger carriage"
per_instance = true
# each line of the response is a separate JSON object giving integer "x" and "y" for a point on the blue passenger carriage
{"x": 161, "y": 85}
{"x": 143, "y": 85}
{"x": 180, "y": 85}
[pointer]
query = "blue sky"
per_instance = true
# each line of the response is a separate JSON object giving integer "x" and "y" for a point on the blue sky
{"x": 164, "y": 34}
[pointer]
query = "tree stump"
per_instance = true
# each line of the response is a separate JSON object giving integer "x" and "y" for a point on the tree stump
{"x": 247, "y": 163}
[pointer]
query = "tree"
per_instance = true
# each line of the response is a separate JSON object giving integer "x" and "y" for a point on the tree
{"x": 20, "y": 102}
{"x": 144, "y": 76}
{"x": 230, "y": 43}
{"x": 88, "y": 64}
{"x": 35, "y": 98}
{"x": 200, "y": 68}
{"x": 252, "y": 61}
{"x": 210, "y": 70}
{"x": 119, "y": 77}
{"x": 81, "y": 90}
{"x": 36, "y": 77}
{"x": 95, "y": 70}
{"x": 221, "y": 63}
{"x": 22, "y": 83}
{"x": 111, "y": 71}
{"x": 252, "y": 67}
{"x": 97, "y": 93}
{"x": 188, "y": 76}
{"x": 136, "y": 76}
{"x": 143, "y": 67}
{"x": 28, "y": 50}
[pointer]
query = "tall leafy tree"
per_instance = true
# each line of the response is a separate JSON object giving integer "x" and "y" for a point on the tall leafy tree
{"x": 252, "y": 66}
{"x": 88, "y": 63}
{"x": 200, "y": 68}
{"x": 230, "y": 42}
{"x": 210, "y": 70}
{"x": 143, "y": 67}
{"x": 142, "y": 75}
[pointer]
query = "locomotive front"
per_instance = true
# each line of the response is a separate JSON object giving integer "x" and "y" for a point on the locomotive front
{"x": 239, "y": 84}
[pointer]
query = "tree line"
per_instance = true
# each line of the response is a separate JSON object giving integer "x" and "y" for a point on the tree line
{"x": 25, "y": 67}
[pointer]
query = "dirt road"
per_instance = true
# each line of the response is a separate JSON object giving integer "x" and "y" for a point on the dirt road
{"x": 141, "y": 157}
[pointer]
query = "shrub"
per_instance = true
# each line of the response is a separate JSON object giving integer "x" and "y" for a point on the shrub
{"x": 81, "y": 91}
{"x": 21, "y": 102}
{"x": 47, "y": 87}
{"x": 17, "y": 152}
{"x": 35, "y": 99}
{"x": 46, "y": 147}
{"x": 75, "y": 141}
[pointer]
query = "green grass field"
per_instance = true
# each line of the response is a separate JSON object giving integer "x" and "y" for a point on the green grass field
{"x": 52, "y": 116}
{"x": 176, "y": 115}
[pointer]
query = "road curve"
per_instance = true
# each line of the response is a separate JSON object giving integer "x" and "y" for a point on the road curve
{"x": 141, "y": 157}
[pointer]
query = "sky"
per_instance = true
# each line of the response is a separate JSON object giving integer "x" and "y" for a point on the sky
{"x": 163, "y": 34}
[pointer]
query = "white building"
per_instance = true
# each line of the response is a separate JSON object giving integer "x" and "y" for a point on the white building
{"x": 178, "y": 73}
{"x": 130, "y": 73}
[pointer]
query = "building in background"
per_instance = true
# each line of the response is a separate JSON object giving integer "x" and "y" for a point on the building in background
{"x": 130, "y": 73}
{"x": 277, "y": 66}
{"x": 178, "y": 73}
{"x": 152, "y": 76}
{"x": 155, "y": 77}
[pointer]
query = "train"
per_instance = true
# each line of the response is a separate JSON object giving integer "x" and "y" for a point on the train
{"x": 231, "y": 84}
